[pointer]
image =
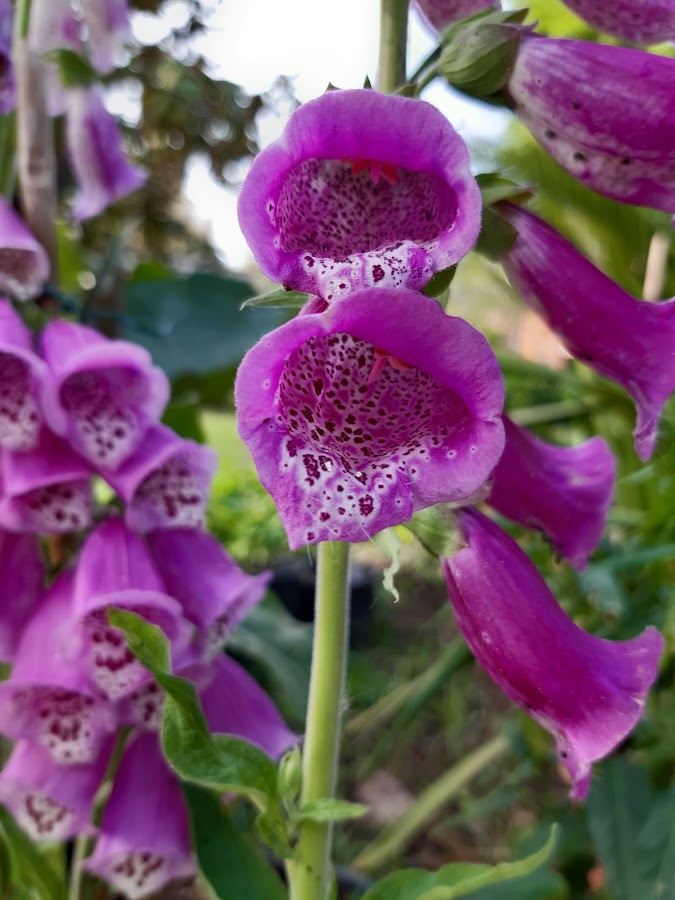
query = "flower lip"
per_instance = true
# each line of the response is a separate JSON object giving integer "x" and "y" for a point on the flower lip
{"x": 361, "y": 189}
{"x": 21, "y": 374}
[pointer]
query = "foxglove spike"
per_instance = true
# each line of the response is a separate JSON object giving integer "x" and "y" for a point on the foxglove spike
{"x": 108, "y": 27}
{"x": 626, "y": 340}
{"x": 144, "y": 840}
{"x": 606, "y": 114}
{"x": 166, "y": 482}
{"x": 441, "y": 13}
{"x": 103, "y": 395}
{"x": 361, "y": 189}
{"x": 564, "y": 491}
{"x": 96, "y": 154}
{"x": 24, "y": 265}
{"x": 358, "y": 416}
{"x": 588, "y": 692}
{"x": 638, "y": 21}
{"x": 23, "y": 574}
{"x": 21, "y": 376}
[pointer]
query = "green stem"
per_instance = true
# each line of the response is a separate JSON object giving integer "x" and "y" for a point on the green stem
{"x": 393, "y": 45}
{"x": 21, "y": 19}
{"x": 310, "y": 873}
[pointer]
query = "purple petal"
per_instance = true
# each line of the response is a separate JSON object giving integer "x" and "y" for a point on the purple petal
{"x": 54, "y": 25}
{"x": 103, "y": 395}
{"x": 361, "y": 189}
{"x": 441, "y": 13}
{"x": 23, "y": 585}
{"x": 21, "y": 376}
{"x": 166, "y": 482}
{"x": 108, "y": 27}
{"x": 627, "y": 340}
{"x": 638, "y": 21}
{"x": 96, "y": 154}
{"x": 587, "y": 692}
{"x": 361, "y": 415}
{"x": 24, "y": 265}
{"x": 605, "y": 114}
{"x": 144, "y": 838}
{"x": 234, "y": 703}
{"x": 7, "y": 83}
{"x": 564, "y": 491}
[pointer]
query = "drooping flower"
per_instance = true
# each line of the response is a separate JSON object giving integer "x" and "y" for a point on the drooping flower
{"x": 23, "y": 574}
{"x": 166, "y": 482}
{"x": 102, "y": 395}
{"x": 144, "y": 840}
{"x": 24, "y": 266}
{"x": 564, "y": 491}
{"x": 21, "y": 376}
{"x": 606, "y": 114}
{"x": 587, "y": 692}
{"x": 96, "y": 154}
{"x": 639, "y": 21}
{"x": 361, "y": 189}
{"x": 441, "y": 13}
{"x": 54, "y": 25}
{"x": 46, "y": 489}
{"x": 358, "y": 416}
{"x": 629, "y": 341}
{"x": 108, "y": 27}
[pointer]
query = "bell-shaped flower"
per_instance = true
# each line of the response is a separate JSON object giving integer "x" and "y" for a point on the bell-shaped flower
{"x": 214, "y": 592}
{"x": 361, "y": 189}
{"x": 21, "y": 376}
{"x": 102, "y": 171}
{"x": 49, "y": 801}
{"x": 24, "y": 265}
{"x": 102, "y": 395}
{"x": 441, "y": 13}
{"x": 606, "y": 114}
{"x": 587, "y": 692}
{"x": 46, "y": 489}
{"x": 358, "y": 416}
{"x": 108, "y": 27}
{"x": 629, "y": 341}
{"x": 48, "y": 697}
{"x": 638, "y": 21}
{"x": 564, "y": 491}
{"x": 144, "y": 840}
{"x": 23, "y": 573}
{"x": 166, "y": 482}
{"x": 116, "y": 569}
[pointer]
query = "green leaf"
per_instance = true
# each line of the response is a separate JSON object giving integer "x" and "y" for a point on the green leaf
{"x": 29, "y": 867}
{"x": 440, "y": 282}
{"x": 434, "y": 528}
{"x": 493, "y": 187}
{"x": 75, "y": 70}
{"x": 279, "y": 298}
{"x": 655, "y": 849}
{"x": 329, "y": 810}
{"x": 227, "y": 858}
{"x": 496, "y": 237}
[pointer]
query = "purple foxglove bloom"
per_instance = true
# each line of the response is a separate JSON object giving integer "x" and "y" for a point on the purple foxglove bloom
{"x": 48, "y": 698}
{"x": 358, "y": 416}
{"x": 144, "y": 840}
{"x": 605, "y": 114}
{"x": 46, "y": 489}
{"x": 361, "y": 189}
{"x": 102, "y": 395}
{"x": 23, "y": 574}
{"x": 7, "y": 84}
{"x": 234, "y": 703}
{"x": 441, "y": 13}
{"x": 94, "y": 142}
{"x": 24, "y": 265}
{"x": 626, "y": 340}
{"x": 586, "y": 691}
{"x": 564, "y": 491}
{"x": 108, "y": 27}
{"x": 53, "y": 26}
{"x": 166, "y": 482}
{"x": 51, "y": 802}
{"x": 115, "y": 568}
{"x": 639, "y": 21}
{"x": 214, "y": 592}
{"x": 21, "y": 375}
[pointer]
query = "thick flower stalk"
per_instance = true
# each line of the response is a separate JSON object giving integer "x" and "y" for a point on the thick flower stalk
{"x": 23, "y": 574}
{"x": 362, "y": 189}
{"x": 632, "y": 342}
{"x": 22, "y": 374}
{"x": 638, "y": 21}
{"x": 441, "y": 13}
{"x": 24, "y": 266}
{"x": 358, "y": 416}
{"x": 587, "y": 692}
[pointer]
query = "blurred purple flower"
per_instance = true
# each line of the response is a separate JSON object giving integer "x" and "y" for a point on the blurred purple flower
{"x": 23, "y": 573}
{"x": 54, "y": 25}
{"x": 21, "y": 376}
{"x": 639, "y": 21}
{"x": 361, "y": 189}
{"x": 24, "y": 266}
{"x": 358, "y": 416}
{"x": 7, "y": 84}
{"x": 108, "y": 27}
{"x": 587, "y": 692}
{"x": 441, "y": 13}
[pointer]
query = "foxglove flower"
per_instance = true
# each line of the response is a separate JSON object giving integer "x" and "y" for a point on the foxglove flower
{"x": 7, "y": 84}
{"x": 586, "y": 691}
{"x": 23, "y": 574}
{"x": 51, "y": 802}
{"x": 214, "y": 592}
{"x": 144, "y": 840}
{"x": 115, "y": 568}
{"x": 48, "y": 698}
{"x": 358, "y": 416}
{"x": 24, "y": 266}
{"x": 21, "y": 376}
{"x": 96, "y": 154}
{"x": 166, "y": 482}
{"x": 441, "y": 13}
{"x": 102, "y": 395}
{"x": 605, "y": 114}
{"x": 54, "y": 26}
{"x": 629, "y": 341}
{"x": 108, "y": 27}
{"x": 361, "y": 189}
{"x": 639, "y": 21}
{"x": 46, "y": 489}
{"x": 564, "y": 491}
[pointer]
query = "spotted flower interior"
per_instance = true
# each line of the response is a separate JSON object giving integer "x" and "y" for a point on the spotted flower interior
{"x": 19, "y": 416}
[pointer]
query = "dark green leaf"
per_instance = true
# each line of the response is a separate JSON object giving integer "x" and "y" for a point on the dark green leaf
{"x": 439, "y": 282}
{"x": 655, "y": 849}
{"x": 329, "y": 810}
{"x": 496, "y": 237}
{"x": 494, "y": 187}
{"x": 277, "y": 299}
{"x": 29, "y": 866}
